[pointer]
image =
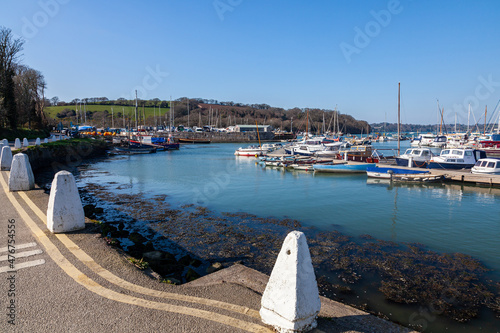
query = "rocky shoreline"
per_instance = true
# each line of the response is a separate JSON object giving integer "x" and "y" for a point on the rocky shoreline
{"x": 183, "y": 243}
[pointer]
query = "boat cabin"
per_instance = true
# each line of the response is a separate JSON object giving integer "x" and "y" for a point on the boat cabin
{"x": 490, "y": 166}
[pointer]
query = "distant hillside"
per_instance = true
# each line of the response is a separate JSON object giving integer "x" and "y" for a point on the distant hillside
{"x": 387, "y": 127}
{"x": 102, "y": 112}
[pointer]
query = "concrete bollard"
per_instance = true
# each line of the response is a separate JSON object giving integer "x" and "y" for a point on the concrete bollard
{"x": 6, "y": 158}
{"x": 21, "y": 176}
{"x": 25, "y": 143}
{"x": 291, "y": 301}
{"x": 17, "y": 144}
{"x": 5, "y": 142}
{"x": 65, "y": 210}
{"x": 46, "y": 140}
{"x": 37, "y": 142}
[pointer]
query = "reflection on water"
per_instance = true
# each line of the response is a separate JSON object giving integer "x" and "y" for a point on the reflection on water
{"x": 448, "y": 218}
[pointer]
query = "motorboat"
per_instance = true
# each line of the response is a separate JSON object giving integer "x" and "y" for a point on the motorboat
{"x": 487, "y": 166}
{"x": 251, "y": 151}
{"x": 439, "y": 141}
{"x": 423, "y": 140}
{"x": 456, "y": 158}
{"x": 415, "y": 157}
{"x": 331, "y": 149}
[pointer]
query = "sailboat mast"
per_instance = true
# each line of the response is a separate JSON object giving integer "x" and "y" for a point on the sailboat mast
{"x": 485, "y": 112}
{"x": 136, "y": 109}
{"x": 399, "y": 117}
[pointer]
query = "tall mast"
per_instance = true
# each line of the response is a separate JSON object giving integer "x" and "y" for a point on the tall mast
{"x": 485, "y": 112}
{"x": 468, "y": 119}
{"x": 136, "y": 109}
{"x": 399, "y": 117}
{"x": 188, "y": 110}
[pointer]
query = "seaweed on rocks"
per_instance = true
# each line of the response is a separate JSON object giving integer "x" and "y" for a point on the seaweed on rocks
{"x": 453, "y": 285}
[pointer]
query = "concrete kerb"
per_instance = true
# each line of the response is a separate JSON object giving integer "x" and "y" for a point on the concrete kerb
{"x": 65, "y": 210}
{"x": 6, "y": 158}
{"x": 21, "y": 176}
{"x": 291, "y": 302}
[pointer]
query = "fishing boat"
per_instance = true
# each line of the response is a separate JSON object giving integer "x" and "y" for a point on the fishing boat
{"x": 358, "y": 154}
{"x": 488, "y": 166}
{"x": 415, "y": 157}
{"x": 456, "y": 158}
{"x": 343, "y": 168}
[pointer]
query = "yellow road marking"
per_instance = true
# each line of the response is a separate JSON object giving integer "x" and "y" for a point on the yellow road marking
{"x": 96, "y": 288}
{"x": 104, "y": 273}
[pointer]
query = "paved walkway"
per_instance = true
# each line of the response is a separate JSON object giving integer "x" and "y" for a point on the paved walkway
{"x": 76, "y": 283}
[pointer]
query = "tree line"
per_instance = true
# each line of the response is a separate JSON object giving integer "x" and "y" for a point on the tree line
{"x": 196, "y": 112}
{"x": 22, "y": 88}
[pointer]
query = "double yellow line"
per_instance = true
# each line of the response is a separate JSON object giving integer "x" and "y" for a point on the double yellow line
{"x": 96, "y": 288}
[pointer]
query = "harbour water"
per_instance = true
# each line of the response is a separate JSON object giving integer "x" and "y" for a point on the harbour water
{"x": 445, "y": 218}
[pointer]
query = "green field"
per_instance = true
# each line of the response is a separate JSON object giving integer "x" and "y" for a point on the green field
{"x": 129, "y": 111}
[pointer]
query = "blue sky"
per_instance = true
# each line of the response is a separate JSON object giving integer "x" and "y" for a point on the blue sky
{"x": 323, "y": 54}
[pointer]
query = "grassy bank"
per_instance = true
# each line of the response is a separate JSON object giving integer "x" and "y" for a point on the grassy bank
{"x": 65, "y": 154}
{"x": 129, "y": 111}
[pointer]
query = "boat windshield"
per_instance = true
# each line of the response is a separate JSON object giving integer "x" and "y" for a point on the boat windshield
{"x": 457, "y": 152}
{"x": 478, "y": 163}
{"x": 445, "y": 152}
{"x": 491, "y": 165}
{"x": 408, "y": 151}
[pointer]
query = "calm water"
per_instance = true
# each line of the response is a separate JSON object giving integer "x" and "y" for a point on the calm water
{"x": 445, "y": 218}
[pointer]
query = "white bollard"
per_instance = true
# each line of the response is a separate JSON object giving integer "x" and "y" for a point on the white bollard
{"x": 5, "y": 142}
{"x": 291, "y": 301}
{"x": 46, "y": 140}
{"x": 37, "y": 142}
{"x": 25, "y": 143}
{"x": 5, "y": 158}
{"x": 17, "y": 144}
{"x": 65, "y": 210}
{"x": 21, "y": 176}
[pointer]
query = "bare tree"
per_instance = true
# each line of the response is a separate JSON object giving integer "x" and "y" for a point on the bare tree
{"x": 9, "y": 54}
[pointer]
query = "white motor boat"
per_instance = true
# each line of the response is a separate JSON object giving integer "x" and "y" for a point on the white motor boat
{"x": 488, "y": 166}
{"x": 419, "y": 157}
{"x": 251, "y": 151}
{"x": 456, "y": 158}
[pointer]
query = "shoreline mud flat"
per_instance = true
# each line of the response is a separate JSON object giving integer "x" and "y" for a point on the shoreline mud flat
{"x": 349, "y": 269}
